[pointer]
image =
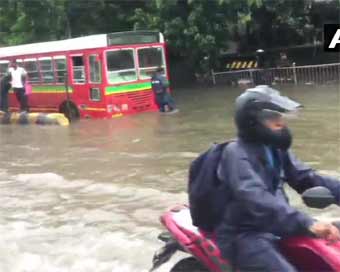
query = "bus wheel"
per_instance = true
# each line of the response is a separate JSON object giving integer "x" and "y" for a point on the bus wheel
{"x": 70, "y": 110}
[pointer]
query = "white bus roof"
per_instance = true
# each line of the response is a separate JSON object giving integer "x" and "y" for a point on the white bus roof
{"x": 86, "y": 42}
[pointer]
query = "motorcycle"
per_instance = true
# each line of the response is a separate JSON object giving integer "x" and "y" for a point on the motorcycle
{"x": 305, "y": 253}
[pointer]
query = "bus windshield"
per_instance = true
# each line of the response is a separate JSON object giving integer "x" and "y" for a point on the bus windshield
{"x": 121, "y": 66}
{"x": 149, "y": 59}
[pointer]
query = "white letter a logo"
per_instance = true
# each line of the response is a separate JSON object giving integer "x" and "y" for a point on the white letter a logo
{"x": 335, "y": 40}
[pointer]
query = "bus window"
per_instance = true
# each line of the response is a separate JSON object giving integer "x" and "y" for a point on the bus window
{"x": 95, "y": 69}
{"x": 60, "y": 68}
{"x": 149, "y": 59}
{"x": 121, "y": 66}
{"x": 78, "y": 69}
{"x": 46, "y": 70}
{"x": 31, "y": 67}
{"x": 4, "y": 64}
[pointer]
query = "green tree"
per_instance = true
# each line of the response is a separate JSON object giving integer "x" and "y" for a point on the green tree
{"x": 23, "y": 21}
{"x": 197, "y": 30}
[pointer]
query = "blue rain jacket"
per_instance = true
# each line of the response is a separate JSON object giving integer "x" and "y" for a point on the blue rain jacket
{"x": 159, "y": 84}
{"x": 257, "y": 201}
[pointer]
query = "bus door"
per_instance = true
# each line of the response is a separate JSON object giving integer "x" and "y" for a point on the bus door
{"x": 78, "y": 80}
{"x": 95, "y": 93}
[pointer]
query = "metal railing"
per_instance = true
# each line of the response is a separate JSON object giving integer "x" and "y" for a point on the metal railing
{"x": 308, "y": 74}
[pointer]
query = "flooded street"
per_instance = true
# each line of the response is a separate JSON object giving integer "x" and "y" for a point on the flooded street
{"x": 88, "y": 197}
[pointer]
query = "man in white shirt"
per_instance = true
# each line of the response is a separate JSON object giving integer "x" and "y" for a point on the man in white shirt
{"x": 18, "y": 84}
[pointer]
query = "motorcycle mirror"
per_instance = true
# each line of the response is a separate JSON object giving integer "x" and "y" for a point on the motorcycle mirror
{"x": 318, "y": 197}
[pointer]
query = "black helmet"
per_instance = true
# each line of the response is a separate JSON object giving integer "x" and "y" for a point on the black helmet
{"x": 260, "y": 103}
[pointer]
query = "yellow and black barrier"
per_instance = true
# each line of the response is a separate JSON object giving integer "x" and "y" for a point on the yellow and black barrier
{"x": 238, "y": 65}
{"x": 37, "y": 118}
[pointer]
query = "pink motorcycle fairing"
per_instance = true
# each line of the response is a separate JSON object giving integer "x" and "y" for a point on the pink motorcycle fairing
{"x": 306, "y": 253}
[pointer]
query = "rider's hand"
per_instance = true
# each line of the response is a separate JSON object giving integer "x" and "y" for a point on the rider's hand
{"x": 325, "y": 230}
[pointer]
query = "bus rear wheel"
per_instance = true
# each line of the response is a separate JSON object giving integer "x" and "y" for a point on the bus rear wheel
{"x": 70, "y": 110}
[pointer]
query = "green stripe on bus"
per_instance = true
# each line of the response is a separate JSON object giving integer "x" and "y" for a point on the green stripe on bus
{"x": 51, "y": 89}
{"x": 127, "y": 88}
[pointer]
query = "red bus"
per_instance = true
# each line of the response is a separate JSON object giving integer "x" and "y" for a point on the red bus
{"x": 97, "y": 76}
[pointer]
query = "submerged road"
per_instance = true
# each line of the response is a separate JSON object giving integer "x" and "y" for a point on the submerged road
{"x": 88, "y": 197}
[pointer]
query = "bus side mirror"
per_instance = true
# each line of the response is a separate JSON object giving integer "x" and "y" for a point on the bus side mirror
{"x": 318, "y": 197}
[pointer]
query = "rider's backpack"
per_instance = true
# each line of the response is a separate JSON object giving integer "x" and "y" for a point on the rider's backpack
{"x": 207, "y": 193}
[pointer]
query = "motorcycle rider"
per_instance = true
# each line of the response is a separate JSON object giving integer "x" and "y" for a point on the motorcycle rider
{"x": 256, "y": 166}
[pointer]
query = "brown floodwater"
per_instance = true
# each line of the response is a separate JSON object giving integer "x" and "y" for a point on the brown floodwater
{"x": 88, "y": 197}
